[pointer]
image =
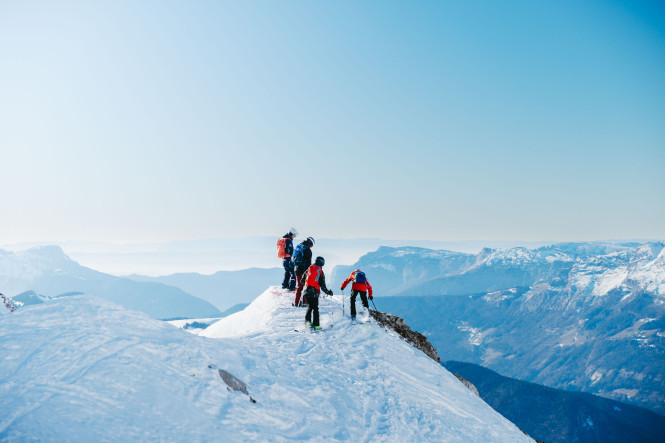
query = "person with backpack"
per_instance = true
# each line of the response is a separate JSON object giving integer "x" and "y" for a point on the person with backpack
{"x": 302, "y": 260}
{"x": 360, "y": 286}
{"x": 314, "y": 282}
{"x": 285, "y": 251}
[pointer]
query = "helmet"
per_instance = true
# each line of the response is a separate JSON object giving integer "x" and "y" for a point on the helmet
{"x": 320, "y": 261}
{"x": 311, "y": 240}
{"x": 293, "y": 232}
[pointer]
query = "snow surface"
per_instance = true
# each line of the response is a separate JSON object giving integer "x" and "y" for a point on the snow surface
{"x": 81, "y": 368}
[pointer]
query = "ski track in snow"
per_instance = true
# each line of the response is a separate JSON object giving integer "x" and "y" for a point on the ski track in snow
{"x": 84, "y": 369}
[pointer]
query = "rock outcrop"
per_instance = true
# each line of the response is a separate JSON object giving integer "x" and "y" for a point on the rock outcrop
{"x": 235, "y": 383}
{"x": 414, "y": 338}
{"x": 468, "y": 384}
{"x": 8, "y": 303}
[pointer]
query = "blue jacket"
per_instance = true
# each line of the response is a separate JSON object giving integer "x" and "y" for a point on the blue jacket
{"x": 302, "y": 258}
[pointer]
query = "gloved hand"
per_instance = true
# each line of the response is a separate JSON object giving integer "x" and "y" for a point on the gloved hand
{"x": 371, "y": 298}
{"x": 329, "y": 292}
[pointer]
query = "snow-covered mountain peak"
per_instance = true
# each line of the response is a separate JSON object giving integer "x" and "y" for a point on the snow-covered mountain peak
{"x": 34, "y": 262}
{"x": 583, "y": 250}
{"x": 648, "y": 251}
{"x": 660, "y": 260}
{"x": 121, "y": 375}
{"x": 413, "y": 252}
{"x": 513, "y": 257}
{"x": 51, "y": 252}
{"x": 47, "y": 256}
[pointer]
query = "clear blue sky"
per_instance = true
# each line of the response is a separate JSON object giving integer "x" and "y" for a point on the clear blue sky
{"x": 128, "y": 121}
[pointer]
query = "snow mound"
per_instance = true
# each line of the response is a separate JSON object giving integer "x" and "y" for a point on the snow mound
{"x": 82, "y": 368}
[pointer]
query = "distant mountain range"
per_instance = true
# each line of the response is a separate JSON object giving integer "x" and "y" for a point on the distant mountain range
{"x": 208, "y": 256}
{"x": 553, "y": 415}
{"x": 46, "y": 272}
{"x": 580, "y": 316}
{"x": 223, "y": 289}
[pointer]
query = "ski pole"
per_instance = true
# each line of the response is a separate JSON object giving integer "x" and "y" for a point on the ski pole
{"x": 332, "y": 312}
{"x": 372, "y": 300}
{"x": 342, "y": 303}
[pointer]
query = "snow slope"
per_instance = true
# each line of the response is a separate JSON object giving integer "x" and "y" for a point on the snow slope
{"x": 84, "y": 369}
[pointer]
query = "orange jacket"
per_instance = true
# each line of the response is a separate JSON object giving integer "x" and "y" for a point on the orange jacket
{"x": 365, "y": 287}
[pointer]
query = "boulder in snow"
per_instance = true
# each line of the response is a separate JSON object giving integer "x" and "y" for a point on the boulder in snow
{"x": 234, "y": 383}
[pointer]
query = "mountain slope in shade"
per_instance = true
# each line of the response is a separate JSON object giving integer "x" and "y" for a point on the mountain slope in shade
{"x": 120, "y": 375}
{"x": 553, "y": 415}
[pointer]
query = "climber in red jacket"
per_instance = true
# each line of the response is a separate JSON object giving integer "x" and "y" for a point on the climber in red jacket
{"x": 360, "y": 286}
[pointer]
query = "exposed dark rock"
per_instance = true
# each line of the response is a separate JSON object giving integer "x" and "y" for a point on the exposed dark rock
{"x": 414, "y": 338}
{"x": 234, "y": 383}
{"x": 468, "y": 384}
{"x": 9, "y": 304}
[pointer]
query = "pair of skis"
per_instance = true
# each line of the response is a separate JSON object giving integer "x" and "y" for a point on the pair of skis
{"x": 312, "y": 329}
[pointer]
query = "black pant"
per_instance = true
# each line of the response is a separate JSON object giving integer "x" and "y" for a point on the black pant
{"x": 363, "y": 298}
{"x": 312, "y": 296}
{"x": 289, "y": 281}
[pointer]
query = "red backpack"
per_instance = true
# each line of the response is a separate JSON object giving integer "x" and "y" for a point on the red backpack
{"x": 281, "y": 247}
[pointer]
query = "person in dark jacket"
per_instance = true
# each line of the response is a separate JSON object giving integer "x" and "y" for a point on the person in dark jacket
{"x": 314, "y": 282}
{"x": 289, "y": 281}
{"x": 302, "y": 260}
{"x": 360, "y": 287}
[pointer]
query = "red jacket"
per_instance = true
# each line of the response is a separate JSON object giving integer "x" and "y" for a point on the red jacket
{"x": 365, "y": 287}
{"x": 314, "y": 278}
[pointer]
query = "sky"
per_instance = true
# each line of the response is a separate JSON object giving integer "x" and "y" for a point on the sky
{"x": 124, "y": 121}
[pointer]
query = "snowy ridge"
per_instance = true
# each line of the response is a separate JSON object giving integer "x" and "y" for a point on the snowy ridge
{"x": 115, "y": 374}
